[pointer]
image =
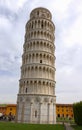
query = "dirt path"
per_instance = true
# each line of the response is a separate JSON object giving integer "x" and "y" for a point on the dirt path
{"x": 68, "y": 127}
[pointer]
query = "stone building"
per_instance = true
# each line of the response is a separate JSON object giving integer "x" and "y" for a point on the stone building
{"x": 36, "y": 102}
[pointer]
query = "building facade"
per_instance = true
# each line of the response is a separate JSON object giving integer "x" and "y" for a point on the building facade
{"x": 64, "y": 111}
{"x": 3, "y": 109}
{"x": 8, "y": 109}
{"x": 36, "y": 102}
{"x": 11, "y": 109}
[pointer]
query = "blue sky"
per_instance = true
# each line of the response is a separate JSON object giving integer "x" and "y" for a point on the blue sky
{"x": 67, "y": 17}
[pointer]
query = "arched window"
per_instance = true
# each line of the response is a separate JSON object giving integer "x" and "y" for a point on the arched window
{"x": 42, "y": 24}
{"x": 32, "y": 25}
{"x": 58, "y": 115}
{"x": 26, "y": 90}
{"x": 37, "y": 12}
{"x": 40, "y": 61}
{"x": 35, "y": 113}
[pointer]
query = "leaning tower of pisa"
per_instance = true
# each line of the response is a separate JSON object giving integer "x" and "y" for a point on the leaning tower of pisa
{"x": 36, "y": 101}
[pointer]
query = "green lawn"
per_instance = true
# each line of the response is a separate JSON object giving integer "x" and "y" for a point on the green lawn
{"x": 15, "y": 126}
{"x": 77, "y": 127}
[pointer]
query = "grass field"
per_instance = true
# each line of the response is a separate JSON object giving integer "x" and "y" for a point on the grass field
{"x": 77, "y": 127}
{"x": 15, "y": 126}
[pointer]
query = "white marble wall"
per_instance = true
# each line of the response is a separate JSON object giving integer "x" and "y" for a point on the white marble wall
{"x": 37, "y": 109}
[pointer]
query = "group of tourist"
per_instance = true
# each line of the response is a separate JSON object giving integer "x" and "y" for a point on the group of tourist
{"x": 7, "y": 117}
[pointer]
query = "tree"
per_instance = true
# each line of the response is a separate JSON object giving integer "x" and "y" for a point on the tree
{"x": 77, "y": 109}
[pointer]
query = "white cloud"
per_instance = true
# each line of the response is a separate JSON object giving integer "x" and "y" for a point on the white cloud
{"x": 8, "y": 89}
{"x": 73, "y": 34}
{"x": 12, "y": 5}
{"x": 5, "y": 24}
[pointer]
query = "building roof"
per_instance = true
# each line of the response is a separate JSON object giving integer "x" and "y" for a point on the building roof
{"x": 3, "y": 105}
{"x": 7, "y": 105}
{"x": 64, "y": 104}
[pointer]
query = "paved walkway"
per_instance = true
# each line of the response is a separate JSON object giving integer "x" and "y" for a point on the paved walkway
{"x": 68, "y": 127}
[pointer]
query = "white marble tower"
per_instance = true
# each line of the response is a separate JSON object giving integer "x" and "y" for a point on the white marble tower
{"x": 36, "y": 101}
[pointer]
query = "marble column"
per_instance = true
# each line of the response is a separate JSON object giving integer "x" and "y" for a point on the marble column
{"x": 31, "y": 104}
{"x": 48, "y": 112}
{"x": 54, "y": 116}
{"x": 22, "y": 113}
{"x": 40, "y": 120}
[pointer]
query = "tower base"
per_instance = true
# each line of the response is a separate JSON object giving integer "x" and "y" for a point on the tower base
{"x": 36, "y": 109}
